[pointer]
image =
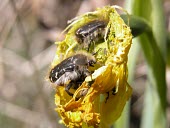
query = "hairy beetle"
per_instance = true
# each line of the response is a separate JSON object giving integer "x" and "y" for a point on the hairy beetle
{"x": 72, "y": 71}
{"x": 91, "y": 33}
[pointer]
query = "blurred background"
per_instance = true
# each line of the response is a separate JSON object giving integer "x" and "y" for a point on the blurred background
{"x": 28, "y": 30}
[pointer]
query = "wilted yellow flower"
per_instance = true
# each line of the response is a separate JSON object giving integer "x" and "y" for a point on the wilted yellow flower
{"x": 92, "y": 103}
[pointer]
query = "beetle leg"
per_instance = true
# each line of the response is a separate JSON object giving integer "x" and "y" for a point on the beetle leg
{"x": 90, "y": 82}
{"x": 67, "y": 88}
{"x": 88, "y": 49}
{"x": 107, "y": 97}
{"x": 114, "y": 91}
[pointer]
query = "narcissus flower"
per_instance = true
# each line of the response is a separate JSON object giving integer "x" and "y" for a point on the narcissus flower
{"x": 100, "y": 99}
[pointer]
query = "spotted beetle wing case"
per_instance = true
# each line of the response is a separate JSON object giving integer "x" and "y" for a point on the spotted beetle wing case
{"x": 91, "y": 34}
{"x": 72, "y": 71}
{"x": 104, "y": 33}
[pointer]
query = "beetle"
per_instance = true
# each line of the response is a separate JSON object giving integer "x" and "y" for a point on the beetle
{"x": 92, "y": 32}
{"x": 72, "y": 71}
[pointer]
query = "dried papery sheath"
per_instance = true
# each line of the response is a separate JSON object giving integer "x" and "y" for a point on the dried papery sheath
{"x": 94, "y": 107}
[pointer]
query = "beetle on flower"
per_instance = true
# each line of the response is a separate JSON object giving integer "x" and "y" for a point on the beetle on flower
{"x": 111, "y": 71}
